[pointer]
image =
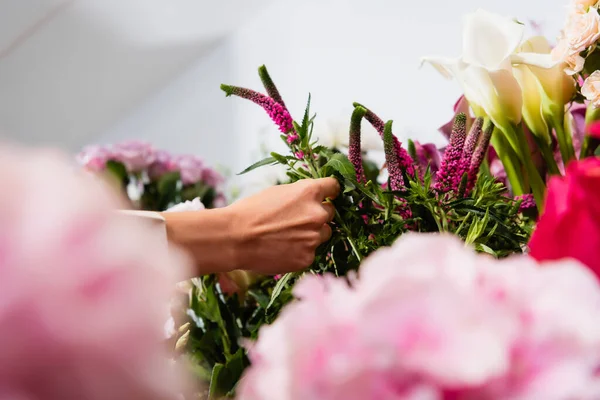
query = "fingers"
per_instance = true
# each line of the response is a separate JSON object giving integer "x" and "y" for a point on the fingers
{"x": 325, "y": 233}
{"x": 330, "y": 208}
{"x": 329, "y": 188}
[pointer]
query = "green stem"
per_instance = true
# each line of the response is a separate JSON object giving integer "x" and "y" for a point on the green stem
{"x": 547, "y": 154}
{"x": 565, "y": 141}
{"x": 510, "y": 161}
{"x": 535, "y": 180}
{"x": 340, "y": 221}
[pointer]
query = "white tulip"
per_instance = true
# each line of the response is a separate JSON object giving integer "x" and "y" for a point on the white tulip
{"x": 484, "y": 71}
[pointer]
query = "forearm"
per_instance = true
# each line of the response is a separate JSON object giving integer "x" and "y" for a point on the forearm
{"x": 207, "y": 236}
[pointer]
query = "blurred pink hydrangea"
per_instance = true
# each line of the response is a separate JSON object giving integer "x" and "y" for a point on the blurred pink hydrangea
{"x": 434, "y": 325}
{"x": 84, "y": 291}
{"x": 190, "y": 168}
{"x": 94, "y": 158}
{"x": 134, "y": 154}
{"x": 163, "y": 163}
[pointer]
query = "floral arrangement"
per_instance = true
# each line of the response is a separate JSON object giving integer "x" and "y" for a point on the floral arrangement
{"x": 155, "y": 180}
{"x": 515, "y": 321}
{"x": 377, "y": 206}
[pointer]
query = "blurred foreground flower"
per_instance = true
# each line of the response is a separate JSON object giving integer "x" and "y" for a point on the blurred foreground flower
{"x": 423, "y": 324}
{"x": 83, "y": 291}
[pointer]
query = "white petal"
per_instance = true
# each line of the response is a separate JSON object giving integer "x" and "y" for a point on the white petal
{"x": 536, "y": 44}
{"x": 445, "y": 66}
{"x": 535, "y": 59}
{"x": 489, "y": 39}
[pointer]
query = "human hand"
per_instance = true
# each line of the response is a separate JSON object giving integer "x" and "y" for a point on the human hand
{"x": 279, "y": 229}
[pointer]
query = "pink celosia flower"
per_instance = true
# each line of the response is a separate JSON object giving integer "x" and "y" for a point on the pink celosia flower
{"x": 190, "y": 167}
{"x": 300, "y": 156}
{"x": 83, "y": 291}
{"x": 449, "y": 175}
{"x": 94, "y": 158}
{"x": 135, "y": 155}
{"x": 430, "y": 319}
{"x": 278, "y": 113}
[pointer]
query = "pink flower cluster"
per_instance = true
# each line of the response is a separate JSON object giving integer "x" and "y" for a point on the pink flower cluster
{"x": 140, "y": 156}
{"x": 434, "y": 325}
{"x": 83, "y": 291}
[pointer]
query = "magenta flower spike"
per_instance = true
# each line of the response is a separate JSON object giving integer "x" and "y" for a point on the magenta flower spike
{"x": 354, "y": 148}
{"x": 527, "y": 202}
{"x": 391, "y": 158}
{"x": 406, "y": 161}
{"x": 269, "y": 85}
{"x": 479, "y": 155}
{"x": 277, "y": 112}
{"x": 470, "y": 146}
{"x": 449, "y": 177}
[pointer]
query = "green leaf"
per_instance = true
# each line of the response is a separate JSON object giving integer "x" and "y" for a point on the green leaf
{"x": 263, "y": 162}
{"x": 340, "y": 163}
{"x": 167, "y": 184}
{"x": 213, "y": 390}
{"x": 279, "y": 287}
{"x": 279, "y": 158}
{"x": 118, "y": 170}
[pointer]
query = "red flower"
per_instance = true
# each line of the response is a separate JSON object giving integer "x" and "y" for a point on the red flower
{"x": 570, "y": 225}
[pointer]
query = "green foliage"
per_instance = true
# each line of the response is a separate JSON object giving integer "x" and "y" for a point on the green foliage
{"x": 368, "y": 217}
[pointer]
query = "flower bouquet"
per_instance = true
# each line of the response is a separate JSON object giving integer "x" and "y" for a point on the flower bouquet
{"x": 155, "y": 180}
{"x": 432, "y": 286}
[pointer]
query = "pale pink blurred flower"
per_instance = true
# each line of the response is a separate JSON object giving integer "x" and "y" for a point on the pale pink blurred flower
{"x": 94, "y": 158}
{"x": 134, "y": 154}
{"x": 163, "y": 163}
{"x": 423, "y": 324}
{"x": 211, "y": 177}
{"x": 83, "y": 290}
{"x": 220, "y": 201}
{"x": 190, "y": 167}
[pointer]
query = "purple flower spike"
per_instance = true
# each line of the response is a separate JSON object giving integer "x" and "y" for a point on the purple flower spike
{"x": 479, "y": 155}
{"x": 277, "y": 112}
{"x": 269, "y": 85}
{"x": 527, "y": 202}
{"x": 449, "y": 177}
{"x": 354, "y": 148}
{"x": 292, "y": 138}
{"x": 391, "y": 158}
{"x": 406, "y": 162}
{"x": 470, "y": 145}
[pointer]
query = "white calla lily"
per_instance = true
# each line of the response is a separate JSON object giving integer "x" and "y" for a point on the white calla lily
{"x": 484, "y": 71}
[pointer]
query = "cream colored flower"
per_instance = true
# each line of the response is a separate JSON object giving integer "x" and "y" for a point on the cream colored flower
{"x": 572, "y": 60}
{"x": 591, "y": 88}
{"x": 583, "y": 4}
{"x": 582, "y": 30}
{"x": 490, "y": 44}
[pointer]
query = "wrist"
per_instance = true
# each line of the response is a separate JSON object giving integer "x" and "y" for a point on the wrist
{"x": 207, "y": 236}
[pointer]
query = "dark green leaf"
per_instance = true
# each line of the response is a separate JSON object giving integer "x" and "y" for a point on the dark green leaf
{"x": 279, "y": 158}
{"x": 263, "y": 162}
{"x": 118, "y": 170}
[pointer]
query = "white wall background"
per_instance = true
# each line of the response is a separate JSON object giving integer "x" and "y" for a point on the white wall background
{"x": 339, "y": 50}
